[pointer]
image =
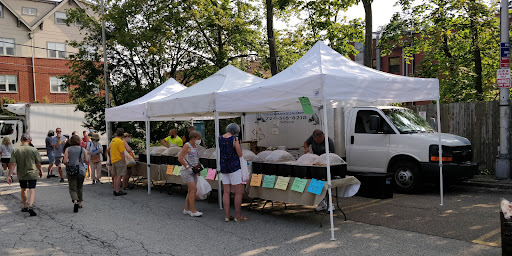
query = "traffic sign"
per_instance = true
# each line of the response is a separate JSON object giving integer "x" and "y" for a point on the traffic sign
{"x": 505, "y": 62}
{"x": 503, "y": 77}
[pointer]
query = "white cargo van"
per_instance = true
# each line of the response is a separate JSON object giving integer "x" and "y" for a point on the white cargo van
{"x": 373, "y": 140}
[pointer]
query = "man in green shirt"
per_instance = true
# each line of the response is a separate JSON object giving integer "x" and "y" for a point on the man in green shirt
{"x": 28, "y": 163}
{"x": 172, "y": 139}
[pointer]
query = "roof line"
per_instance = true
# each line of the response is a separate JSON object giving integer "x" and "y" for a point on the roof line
{"x": 52, "y": 11}
{"x": 16, "y": 14}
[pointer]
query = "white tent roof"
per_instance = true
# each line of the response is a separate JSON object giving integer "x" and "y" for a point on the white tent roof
{"x": 136, "y": 110}
{"x": 198, "y": 100}
{"x": 323, "y": 73}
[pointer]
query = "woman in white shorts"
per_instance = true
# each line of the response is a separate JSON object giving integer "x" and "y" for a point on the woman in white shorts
{"x": 230, "y": 173}
{"x": 189, "y": 158}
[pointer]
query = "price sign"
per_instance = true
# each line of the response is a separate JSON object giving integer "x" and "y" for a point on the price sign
{"x": 503, "y": 77}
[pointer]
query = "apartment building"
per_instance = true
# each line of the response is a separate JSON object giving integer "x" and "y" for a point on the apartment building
{"x": 33, "y": 49}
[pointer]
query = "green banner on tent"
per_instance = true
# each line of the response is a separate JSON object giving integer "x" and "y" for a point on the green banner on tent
{"x": 306, "y": 105}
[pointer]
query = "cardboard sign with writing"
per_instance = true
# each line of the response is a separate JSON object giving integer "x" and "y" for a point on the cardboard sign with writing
{"x": 299, "y": 185}
{"x": 316, "y": 186}
{"x": 211, "y": 174}
{"x": 268, "y": 181}
{"x": 177, "y": 170}
{"x": 282, "y": 183}
{"x": 256, "y": 180}
{"x": 170, "y": 168}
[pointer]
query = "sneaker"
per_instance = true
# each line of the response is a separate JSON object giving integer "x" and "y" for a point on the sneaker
{"x": 31, "y": 211}
{"x": 75, "y": 208}
{"x": 53, "y": 175}
{"x": 62, "y": 180}
{"x": 120, "y": 193}
{"x": 93, "y": 182}
{"x": 48, "y": 176}
{"x": 196, "y": 214}
{"x": 185, "y": 212}
{"x": 24, "y": 209}
{"x": 322, "y": 206}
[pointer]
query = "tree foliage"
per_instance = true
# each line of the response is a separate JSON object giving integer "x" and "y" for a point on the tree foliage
{"x": 459, "y": 40}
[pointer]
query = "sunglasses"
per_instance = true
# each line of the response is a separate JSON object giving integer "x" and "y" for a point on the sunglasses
{"x": 59, "y": 131}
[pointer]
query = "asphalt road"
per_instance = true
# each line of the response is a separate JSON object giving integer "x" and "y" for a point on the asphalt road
{"x": 141, "y": 224}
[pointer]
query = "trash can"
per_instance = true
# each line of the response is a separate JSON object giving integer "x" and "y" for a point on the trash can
{"x": 506, "y": 236}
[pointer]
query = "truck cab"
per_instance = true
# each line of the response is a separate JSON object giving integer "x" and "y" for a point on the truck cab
{"x": 396, "y": 140}
{"x": 12, "y": 129}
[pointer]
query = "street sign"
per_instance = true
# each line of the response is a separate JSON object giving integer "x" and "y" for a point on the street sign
{"x": 505, "y": 62}
{"x": 503, "y": 77}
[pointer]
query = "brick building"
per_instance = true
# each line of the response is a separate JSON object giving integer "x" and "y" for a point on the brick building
{"x": 33, "y": 49}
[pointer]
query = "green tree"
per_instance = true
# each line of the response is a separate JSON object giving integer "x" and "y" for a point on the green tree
{"x": 459, "y": 39}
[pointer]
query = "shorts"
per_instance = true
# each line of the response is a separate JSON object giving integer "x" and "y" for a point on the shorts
{"x": 119, "y": 168}
{"x": 233, "y": 178}
{"x": 58, "y": 160}
{"x": 188, "y": 176}
{"x": 30, "y": 184}
{"x": 51, "y": 157}
{"x": 6, "y": 160}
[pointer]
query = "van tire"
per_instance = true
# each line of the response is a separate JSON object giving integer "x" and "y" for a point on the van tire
{"x": 407, "y": 177}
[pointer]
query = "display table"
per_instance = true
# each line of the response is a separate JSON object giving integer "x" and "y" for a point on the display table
{"x": 346, "y": 187}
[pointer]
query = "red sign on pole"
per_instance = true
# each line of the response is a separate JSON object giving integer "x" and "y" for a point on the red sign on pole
{"x": 505, "y": 62}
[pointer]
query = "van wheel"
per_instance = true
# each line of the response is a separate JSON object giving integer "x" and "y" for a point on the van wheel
{"x": 407, "y": 177}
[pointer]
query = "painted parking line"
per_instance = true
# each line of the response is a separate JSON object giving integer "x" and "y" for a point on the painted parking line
{"x": 481, "y": 239}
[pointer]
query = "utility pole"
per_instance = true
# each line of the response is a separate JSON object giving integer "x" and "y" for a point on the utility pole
{"x": 105, "y": 68}
{"x": 503, "y": 79}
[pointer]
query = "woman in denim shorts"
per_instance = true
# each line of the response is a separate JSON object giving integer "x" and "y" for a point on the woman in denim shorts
{"x": 189, "y": 158}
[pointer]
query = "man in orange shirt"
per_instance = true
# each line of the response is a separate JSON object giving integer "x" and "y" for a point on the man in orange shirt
{"x": 116, "y": 153}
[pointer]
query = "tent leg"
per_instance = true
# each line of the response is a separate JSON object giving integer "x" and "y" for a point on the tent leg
{"x": 329, "y": 183}
{"x": 108, "y": 159}
{"x": 441, "y": 183}
{"x": 148, "y": 161}
{"x": 217, "y": 134}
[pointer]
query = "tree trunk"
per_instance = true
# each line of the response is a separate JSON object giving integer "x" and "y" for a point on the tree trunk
{"x": 270, "y": 36}
{"x": 477, "y": 57}
{"x": 368, "y": 41}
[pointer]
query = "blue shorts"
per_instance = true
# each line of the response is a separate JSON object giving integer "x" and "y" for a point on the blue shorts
{"x": 51, "y": 157}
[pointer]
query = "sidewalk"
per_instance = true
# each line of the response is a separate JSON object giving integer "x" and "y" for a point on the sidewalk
{"x": 488, "y": 181}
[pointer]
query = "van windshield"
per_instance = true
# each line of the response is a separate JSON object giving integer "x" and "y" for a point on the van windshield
{"x": 406, "y": 121}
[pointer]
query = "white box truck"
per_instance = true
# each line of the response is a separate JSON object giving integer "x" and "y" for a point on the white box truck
{"x": 37, "y": 118}
{"x": 381, "y": 139}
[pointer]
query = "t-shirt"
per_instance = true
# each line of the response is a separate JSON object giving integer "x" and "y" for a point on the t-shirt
{"x": 116, "y": 148}
{"x": 25, "y": 157}
{"x": 59, "y": 151}
{"x": 49, "y": 144}
{"x": 319, "y": 148}
{"x": 6, "y": 150}
{"x": 176, "y": 141}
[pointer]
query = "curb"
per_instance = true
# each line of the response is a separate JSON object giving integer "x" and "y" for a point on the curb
{"x": 470, "y": 183}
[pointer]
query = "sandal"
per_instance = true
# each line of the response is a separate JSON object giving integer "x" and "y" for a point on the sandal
{"x": 243, "y": 218}
{"x": 229, "y": 219}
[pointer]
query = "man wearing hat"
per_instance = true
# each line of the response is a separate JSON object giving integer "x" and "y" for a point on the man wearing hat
{"x": 50, "y": 152}
{"x": 28, "y": 163}
{"x": 59, "y": 142}
{"x": 95, "y": 149}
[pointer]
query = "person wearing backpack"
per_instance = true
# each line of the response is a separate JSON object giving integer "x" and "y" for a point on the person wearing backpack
{"x": 74, "y": 158}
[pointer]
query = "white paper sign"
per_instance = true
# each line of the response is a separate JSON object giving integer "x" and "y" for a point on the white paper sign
{"x": 503, "y": 77}
{"x": 423, "y": 114}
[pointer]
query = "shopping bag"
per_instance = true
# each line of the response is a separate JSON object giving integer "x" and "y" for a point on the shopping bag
{"x": 245, "y": 171}
{"x": 203, "y": 188}
{"x": 129, "y": 159}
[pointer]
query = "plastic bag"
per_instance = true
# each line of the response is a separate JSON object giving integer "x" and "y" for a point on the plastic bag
{"x": 248, "y": 155}
{"x": 279, "y": 156}
{"x": 172, "y": 151}
{"x": 334, "y": 160}
{"x": 260, "y": 157}
{"x": 306, "y": 159}
{"x": 129, "y": 159}
{"x": 203, "y": 188}
{"x": 158, "y": 151}
{"x": 245, "y": 171}
{"x": 506, "y": 208}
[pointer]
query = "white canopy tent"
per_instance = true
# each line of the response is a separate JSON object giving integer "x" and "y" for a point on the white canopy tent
{"x": 198, "y": 101}
{"x": 329, "y": 79}
{"x": 136, "y": 110}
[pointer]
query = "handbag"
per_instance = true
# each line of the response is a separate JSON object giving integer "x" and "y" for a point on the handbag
{"x": 72, "y": 170}
{"x": 195, "y": 169}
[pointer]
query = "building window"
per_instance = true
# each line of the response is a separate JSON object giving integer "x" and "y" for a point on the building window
{"x": 57, "y": 85}
{"x": 394, "y": 65}
{"x": 6, "y": 46}
{"x": 8, "y": 83}
{"x": 57, "y": 50}
{"x": 60, "y": 17}
{"x": 29, "y": 11}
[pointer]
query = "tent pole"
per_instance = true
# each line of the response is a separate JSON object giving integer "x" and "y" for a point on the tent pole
{"x": 217, "y": 134}
{"x": 440, "y": 151}
{"x": 108, "y": 158}
{"x": 329, "y": 184}
{"x": 148, "y": 161}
